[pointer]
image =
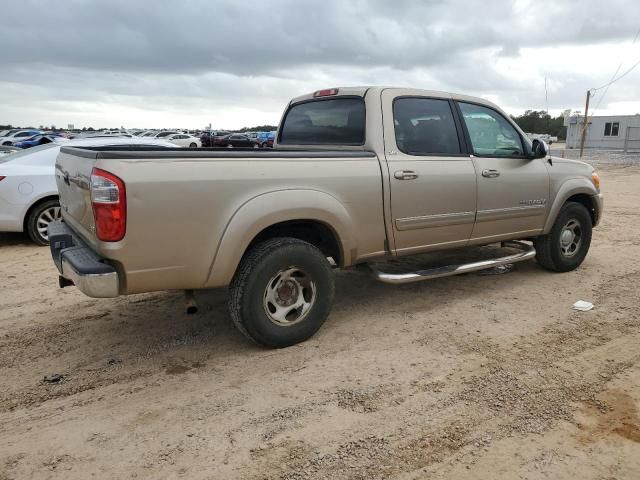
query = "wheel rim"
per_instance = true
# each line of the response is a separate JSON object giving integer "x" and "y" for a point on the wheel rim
{"x": 289, "y": 296}
{"x": 229, "y": 146}
{"x": 256, "y": 146}
{"x": 44, "y": 219}
{"x": 571, "y": 238}
{"x": 193, "y": 145}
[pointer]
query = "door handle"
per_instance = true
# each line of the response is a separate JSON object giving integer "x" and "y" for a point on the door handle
{"x": 405, "y": 175}
{"x": 490, "y": 173}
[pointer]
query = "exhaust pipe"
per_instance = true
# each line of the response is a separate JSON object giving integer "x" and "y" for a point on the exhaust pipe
{"x": 190, "y": 299}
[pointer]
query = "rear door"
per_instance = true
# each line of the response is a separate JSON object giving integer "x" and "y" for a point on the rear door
{"x": 513, "y": 189}
{"x": 432, "y": 179}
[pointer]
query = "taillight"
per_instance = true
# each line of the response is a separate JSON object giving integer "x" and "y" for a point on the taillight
{"x": 2, "y": 177}
{"x": 109, "y": 202}
{"x": 326, "y": 93}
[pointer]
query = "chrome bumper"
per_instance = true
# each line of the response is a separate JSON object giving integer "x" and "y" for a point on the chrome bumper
{"x": 79, "y": 265}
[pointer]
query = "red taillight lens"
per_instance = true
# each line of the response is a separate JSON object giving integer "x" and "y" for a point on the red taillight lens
{"x": 2, "y": 177}
{"x": 326, "y": 93}
{"x": 109, "y": 201}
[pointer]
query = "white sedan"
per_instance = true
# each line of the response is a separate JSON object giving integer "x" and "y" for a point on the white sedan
{"x": 14, "y": 136}
{"x": 28, "y": 191}
{"x": 184, "y": 140}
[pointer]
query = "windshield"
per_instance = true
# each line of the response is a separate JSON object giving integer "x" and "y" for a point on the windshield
{"x": 339, "y": 121}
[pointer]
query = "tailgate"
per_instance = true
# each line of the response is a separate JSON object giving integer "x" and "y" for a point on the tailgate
{"x": 73, "y": 178}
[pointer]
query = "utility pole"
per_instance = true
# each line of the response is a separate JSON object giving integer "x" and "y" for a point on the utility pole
{"x": 585, "y": 125}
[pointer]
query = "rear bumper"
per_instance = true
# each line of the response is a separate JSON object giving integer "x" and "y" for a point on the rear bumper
{"x": 79, "y": 265}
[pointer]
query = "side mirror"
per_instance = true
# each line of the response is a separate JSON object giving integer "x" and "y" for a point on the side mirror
{"x": 539, "y": 148}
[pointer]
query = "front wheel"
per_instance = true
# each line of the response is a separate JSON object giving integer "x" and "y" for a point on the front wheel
{"x": 565, "y": 247}
{"x": 39, "y": 220}
{"x": 282, "y": 292}
{"x": 193, "y": 145}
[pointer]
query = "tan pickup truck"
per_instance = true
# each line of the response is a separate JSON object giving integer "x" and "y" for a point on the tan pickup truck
{"x": 357, "y": 175}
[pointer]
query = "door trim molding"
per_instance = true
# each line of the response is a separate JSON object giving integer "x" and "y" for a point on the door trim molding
{"x": 511, "y": 212}
{"x": 428, "y": 221}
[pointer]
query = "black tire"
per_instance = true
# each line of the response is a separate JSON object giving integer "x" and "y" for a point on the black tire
{"x": 193, "y": 145}
{"x": 33, "y": 220}
{"x": 259, "y": 271}
{"x": 551, "y": 253}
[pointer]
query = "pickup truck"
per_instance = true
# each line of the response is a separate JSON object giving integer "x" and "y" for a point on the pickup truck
{"x": 357, "y": 175}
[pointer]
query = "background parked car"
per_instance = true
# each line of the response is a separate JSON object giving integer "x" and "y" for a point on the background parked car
{"x": 265, "y": 139}
{"x": 41, "y": 139}
{"x": 163, "y": 134}
{"x": 213, "y": 138}
{"x": 184, "y": 140}
{"x": 238, "y": 140}
{"x": 18, "y": 136}
{"x": 28, "y": 191}
{"x": 8, "y": 150}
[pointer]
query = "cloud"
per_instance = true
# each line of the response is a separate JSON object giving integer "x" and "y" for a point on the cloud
{"x": 210, "y": 58}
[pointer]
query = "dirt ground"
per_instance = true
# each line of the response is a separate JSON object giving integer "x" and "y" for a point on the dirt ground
{"x": 470, "y": 377}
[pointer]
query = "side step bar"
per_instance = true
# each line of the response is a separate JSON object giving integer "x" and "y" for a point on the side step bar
{"x": 528, "y": 252}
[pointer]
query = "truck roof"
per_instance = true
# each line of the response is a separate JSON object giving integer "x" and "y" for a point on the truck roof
{"x": 363, "y": 90}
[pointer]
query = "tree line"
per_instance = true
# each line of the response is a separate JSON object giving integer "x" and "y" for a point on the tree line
{"x": 534, "y": 121}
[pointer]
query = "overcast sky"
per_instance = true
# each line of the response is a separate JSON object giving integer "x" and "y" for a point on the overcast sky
{"x": 155, "y": 63}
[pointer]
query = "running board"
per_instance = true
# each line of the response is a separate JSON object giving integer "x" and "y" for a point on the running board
{"x": 528, "y": 253}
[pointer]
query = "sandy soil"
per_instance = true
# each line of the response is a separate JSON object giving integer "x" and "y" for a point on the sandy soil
{"x": 466, "y": 377}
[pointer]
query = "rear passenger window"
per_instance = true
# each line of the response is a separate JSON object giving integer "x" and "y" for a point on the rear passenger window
{"x": 425, "y": 126}
{"x": 339, "y": 121}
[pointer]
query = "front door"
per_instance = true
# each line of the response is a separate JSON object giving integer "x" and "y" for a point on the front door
{"x": 432, "y": 180}
{"x": 513, "y": 189}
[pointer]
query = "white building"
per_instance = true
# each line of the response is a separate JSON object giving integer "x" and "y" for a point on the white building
{"x": 616, "y": 132}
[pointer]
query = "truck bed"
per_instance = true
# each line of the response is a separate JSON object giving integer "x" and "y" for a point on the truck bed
{"x": 190, "y": 208}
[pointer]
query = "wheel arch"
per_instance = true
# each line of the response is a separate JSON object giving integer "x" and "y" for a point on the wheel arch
{"x": 578, "y": 190}
{"x": 308, "y": 215}
{"x": 35, "y": 204}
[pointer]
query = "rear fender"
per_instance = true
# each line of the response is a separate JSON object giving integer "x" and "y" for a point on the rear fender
{"x": 269, "y": 209}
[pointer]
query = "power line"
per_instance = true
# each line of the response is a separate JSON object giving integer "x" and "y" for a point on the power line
{"x": 613, "y": 77}
{"x": 618, "y": 78}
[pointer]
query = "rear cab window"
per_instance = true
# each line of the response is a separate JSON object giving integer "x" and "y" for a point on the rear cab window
{"x": 425, "y": 126}
{"x": 335, "y": 121}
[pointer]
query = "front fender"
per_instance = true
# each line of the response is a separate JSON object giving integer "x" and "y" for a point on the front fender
{"x": 269, "y": 209}
{"x": 569, "y": 188}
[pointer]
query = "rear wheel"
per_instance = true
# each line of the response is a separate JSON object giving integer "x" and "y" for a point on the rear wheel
{"x": 193, "y": 145}
{"x": 282, "y": 292}
{"x": 229, "y": 146}
{"x": 565, "y": 247}
{"x": 39, "y": 220}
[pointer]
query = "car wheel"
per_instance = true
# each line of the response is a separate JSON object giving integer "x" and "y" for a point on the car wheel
{"x": 565, "y": 247}
{"x": 255, "y": 145}
{"x": 193, "y": 145}
{"x": 263, "y": 145}
{"x": 282, "y": 292}
{"x": 39, "y": 220}
{"x": 7, "y": 144}
{"x": 229, "y": 146}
